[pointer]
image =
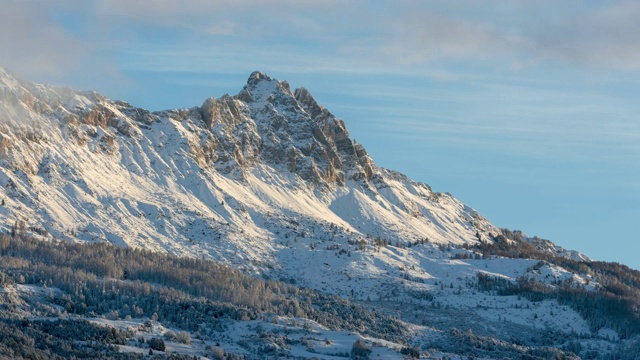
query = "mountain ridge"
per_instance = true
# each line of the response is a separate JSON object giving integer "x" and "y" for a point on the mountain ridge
{"x": 262, "y": 132}
{"x": 224, "y": 162}
{"x": 270, "y": 183}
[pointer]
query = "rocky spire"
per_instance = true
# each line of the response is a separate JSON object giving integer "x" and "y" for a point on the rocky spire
{"x": 308, "y": 102}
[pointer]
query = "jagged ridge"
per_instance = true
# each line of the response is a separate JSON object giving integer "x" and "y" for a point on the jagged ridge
{"x": 236, "y": 179}
{"x": 265, "y": 126}
{"x": 270, "y": 182}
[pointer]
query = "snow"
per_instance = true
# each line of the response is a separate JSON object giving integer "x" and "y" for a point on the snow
{"x": 171, "y": 199}
{"x": 151, "y": 187}
{"x": 305, "y": 338}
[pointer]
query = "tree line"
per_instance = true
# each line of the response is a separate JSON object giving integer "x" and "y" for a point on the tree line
{"x": 614, "y": 304}
{"x": 192, "y": 294}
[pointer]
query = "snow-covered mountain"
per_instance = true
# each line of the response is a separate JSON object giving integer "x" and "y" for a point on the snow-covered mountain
{"x": 267, "y": 181}
{"x": 230, "y": 179}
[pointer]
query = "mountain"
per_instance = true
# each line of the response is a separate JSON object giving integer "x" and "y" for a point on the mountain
{"x": 269, "y": 182}
{"x": 228, "y": 180}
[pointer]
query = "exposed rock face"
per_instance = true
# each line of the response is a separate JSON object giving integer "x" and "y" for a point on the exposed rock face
{"x": 300, "y": 135}
{"x": 237, "y": 168}
{"x": 266, "y": 122}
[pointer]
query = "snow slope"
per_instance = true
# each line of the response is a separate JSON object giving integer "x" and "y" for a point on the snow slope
{"x": 226, "y": 180}
{"x": 267, "y": 181}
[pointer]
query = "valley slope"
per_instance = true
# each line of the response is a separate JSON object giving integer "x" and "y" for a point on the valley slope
{"x": 269, "y": 182}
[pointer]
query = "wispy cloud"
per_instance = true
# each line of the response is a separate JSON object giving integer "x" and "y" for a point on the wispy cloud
{"x": 606, "y": 37}
{"x": 428, "y": 38}
{"x": 33, "y": 44}
{"x": 542, "y": 122}
{"x": 36, "y": 45}
{"x": 226, "y": 28}
{"x": 421, "y": 38}
{"x": 517, "y": 34}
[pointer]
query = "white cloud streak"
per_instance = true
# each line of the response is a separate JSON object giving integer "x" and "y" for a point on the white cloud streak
{"x": 608, "y": 38}
{"x": 34, "y": 45}
{"x": 377, "y": 37}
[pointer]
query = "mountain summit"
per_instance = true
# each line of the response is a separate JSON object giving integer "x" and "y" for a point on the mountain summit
{"x": 266, "y": 123}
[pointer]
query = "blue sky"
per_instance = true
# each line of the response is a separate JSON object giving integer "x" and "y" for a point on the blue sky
{"x": 525, "y": 110}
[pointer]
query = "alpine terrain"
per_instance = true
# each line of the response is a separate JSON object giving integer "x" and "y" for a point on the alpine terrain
{"x": 253, "y": 226}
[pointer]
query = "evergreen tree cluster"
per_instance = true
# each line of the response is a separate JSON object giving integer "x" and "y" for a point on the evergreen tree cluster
{"x": 193, "y": 294}
{"x": 45, "y": 339}
{"x": 614, "y": 304}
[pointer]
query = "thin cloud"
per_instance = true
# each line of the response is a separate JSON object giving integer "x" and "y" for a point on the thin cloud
{"x": 436, "y": 40}
{"x": 225, "y": 28}
{"x": 408, "y": 36}
{"x": 607, "y": 37}
{"x": 423, "y": 38}
{"x": 213, "y": 17}
{"x": 520, "y": 35}
{"x": 35, "y": 46}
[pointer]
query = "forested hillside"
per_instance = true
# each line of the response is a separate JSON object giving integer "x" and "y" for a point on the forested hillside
{"x": 253, "y": 226}
{"x": 69, "y": 284}
{"x": 101, "y": 280}
{"x": 614, "y": 304}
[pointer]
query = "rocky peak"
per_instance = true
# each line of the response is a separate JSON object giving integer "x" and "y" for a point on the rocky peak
{"x": 83, "y": 143}
{"x": 308, "y": 102}
{"x": 298, "y": 132}
{"x": 265, "y": 123}
{"x": 257, "y": 76}
{"x": 262, "y": 87}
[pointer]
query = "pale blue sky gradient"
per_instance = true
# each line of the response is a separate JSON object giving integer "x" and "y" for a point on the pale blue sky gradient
{"x": 525, "y": 110}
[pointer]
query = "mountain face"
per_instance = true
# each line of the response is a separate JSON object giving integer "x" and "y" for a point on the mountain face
{"x": 233, "y": 174}
{"x": 269, "y": 182}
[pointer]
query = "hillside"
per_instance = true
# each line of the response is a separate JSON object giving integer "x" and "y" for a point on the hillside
{"x": 172, "y": 179}
{"x": 270, "y": 183}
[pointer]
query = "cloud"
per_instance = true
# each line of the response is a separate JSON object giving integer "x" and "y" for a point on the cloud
{"x": 426, "y": 37}
{"x": 226, "y": 28}
{"x": 212, "y": 17}
{"x": 516, "y": 35}
{"x": 159, "y": 11}
{"x": 33, "y": 45}
{"x": 604, "y": 37}
{"x": 37, "y": 46}
{"x": 438, "y": 40}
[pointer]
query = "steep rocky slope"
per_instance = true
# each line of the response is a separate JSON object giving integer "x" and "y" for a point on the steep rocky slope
{"x": 270, "y": 182}
{"x": 237, "y": 173}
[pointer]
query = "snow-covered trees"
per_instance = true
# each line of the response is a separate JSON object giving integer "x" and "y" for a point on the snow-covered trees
{"x": 183, "y": 292}
{"x": 360, "y": 350}
{"x": 156, "y": 344}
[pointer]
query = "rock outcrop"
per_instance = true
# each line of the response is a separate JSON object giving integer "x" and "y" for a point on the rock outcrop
{"x": 237, "y": 168}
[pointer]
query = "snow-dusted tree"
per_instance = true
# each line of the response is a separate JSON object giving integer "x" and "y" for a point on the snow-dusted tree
{"x": 360, "y": 350}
